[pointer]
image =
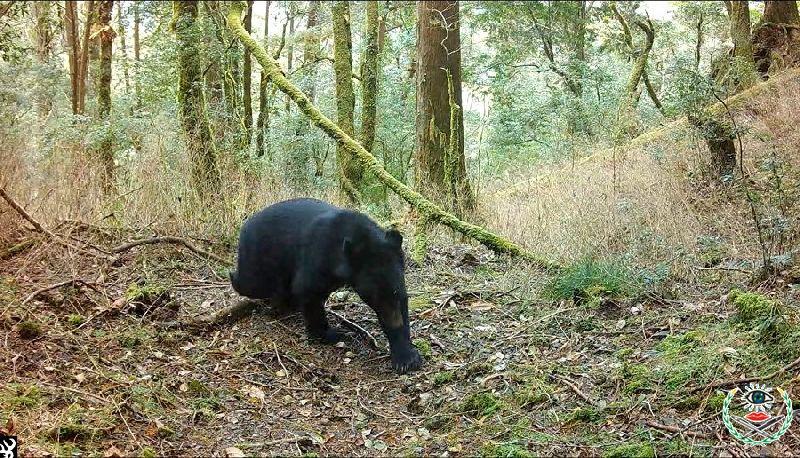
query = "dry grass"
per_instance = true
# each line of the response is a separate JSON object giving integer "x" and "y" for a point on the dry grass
{"x": 652, "y": 201}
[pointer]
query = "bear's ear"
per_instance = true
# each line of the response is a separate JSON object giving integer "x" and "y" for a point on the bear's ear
{"x": 394, "y": 237}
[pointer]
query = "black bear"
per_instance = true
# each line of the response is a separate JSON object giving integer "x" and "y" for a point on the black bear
{"x": 298, "y": 251}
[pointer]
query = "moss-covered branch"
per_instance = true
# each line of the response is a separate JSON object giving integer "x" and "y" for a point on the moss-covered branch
{"x": 427, "y": 208}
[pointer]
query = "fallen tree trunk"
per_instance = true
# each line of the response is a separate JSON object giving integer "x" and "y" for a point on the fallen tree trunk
{"x": 431, "y": 211}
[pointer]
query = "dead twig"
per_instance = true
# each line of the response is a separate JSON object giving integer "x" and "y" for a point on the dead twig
{"x": 173, "y": 240}
{"x": 794, "y": 364}
{"x": 675, "y": 429}
{"x": 230, "y": 314}
{"x": 278, "y": 355}
{"x": 576, "y": 390}
{"x": 39, "y": 228}
{"x": 356, "y": 327}
{"x": 74, "y": 281}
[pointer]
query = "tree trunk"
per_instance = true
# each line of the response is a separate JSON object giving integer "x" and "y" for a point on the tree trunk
{"x": 73, "y": 52}
{"x": 106, "y": 40}
{"x": 628, "y": 120}
{"x": 95, "y": 72}
{"x": 247, "y": 80}
{"x": 781, "y": 12}
{"x": 628, "y": 37}
{"x": 776, "y": 39}
{"x": 743, "y": 65}
{"x": 137, "y": 86}
{"x": 439, "y": 156}
{"x": 262, "y": 123}
{"x": 123, "y": 48}
{"x": 311, "y": 49}
{"x": 43, "y": 36}
{"x": 369, "y": 77}
{"x": 430, "y": 210}
{"x": 84, "y": 64}
{"x": 290, "y": 51}
{"x": 719, "y": 138}
{"x": 350, "y": 170}
{"x": 191, "y": 105}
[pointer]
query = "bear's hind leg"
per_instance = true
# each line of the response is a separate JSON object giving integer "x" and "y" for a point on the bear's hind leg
{"x": 317, "y": 327}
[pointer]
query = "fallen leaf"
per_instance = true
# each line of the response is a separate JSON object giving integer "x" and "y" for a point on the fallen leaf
{"x": 113, "y": 452}
{"x": 280, "y": 373}
{"x": 233, "y": 452}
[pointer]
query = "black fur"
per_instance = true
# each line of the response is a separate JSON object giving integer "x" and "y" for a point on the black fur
{"x": 297, "y": 252}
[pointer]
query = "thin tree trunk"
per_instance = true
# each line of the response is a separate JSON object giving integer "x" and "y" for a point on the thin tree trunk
{"x": 369, "y": 77}
{"x": 440, "y": 157}
{"x": 137, "y": 86}
{"x": 123, "y": 48}
{"x": 350, "y": 170}
{"x": 428, "y": 209}
{"x": 73, "y": 51}
{"x": 651, "y": 92}
{"x": 106, "y": 41}
{"x": 743, "y": 70}
{"x": 290, "y": 51}
{"x": 191, "y": 104}
{"x": 262, "y": 123}
{"x": 43, "y": 35}
{"x": 95, "y": 72}
{"x": 699, "y": 40}
{"x": 627, "y": 113}
{"x": 84, "y": 64}
{"x": 247, "y": 79}
{"x": 311, "y": 49}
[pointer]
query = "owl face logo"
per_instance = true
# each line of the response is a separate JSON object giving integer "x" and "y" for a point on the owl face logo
{"x": 762, "y": 423}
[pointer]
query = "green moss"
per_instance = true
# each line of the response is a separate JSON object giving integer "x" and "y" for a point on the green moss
{"x": 635, "y": 450}
{"x": 148, "y": 293}
{"x": 75, "y": 319}
{"x": 29, "y": 329}
{"x": 638, "y": 378}
{"x": 133, "y": 337}
{"x": 419, "y": 303}
{"x": 586, "y": 415}
{"x": 715, "y": 402}
{"x": 423, "y": 346}
{"x": 533, "y": 393}
{"x": 21, "y": 396}
{"x": 442, "y": 378}
{"x": 481, "y": 404}
{"x": 504, "y": 450}
{"x": 148, "y": 452}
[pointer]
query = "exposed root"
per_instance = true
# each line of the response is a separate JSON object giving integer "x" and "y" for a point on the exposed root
{"x": 74, "y": 281}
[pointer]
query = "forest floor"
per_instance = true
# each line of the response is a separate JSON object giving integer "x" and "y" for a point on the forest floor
{"x": 93, "y": 367}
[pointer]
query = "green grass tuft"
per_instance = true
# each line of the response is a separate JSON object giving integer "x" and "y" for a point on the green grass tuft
{"x": 504, "y": 450}
{"x": 424, "y": 347}
{"x": 637, "y": 450}
{"x": 481, "y": 404}
{"x": 443, "y": 378}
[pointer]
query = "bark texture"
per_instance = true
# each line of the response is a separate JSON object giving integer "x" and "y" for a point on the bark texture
{"x": 440, "y": 163}
{"x": 262, "y": 123}
{"x": 351, "y": 172}
{"x": 105, "y": 37}
{"x": 369, "y": 77}
{"x": 776, "y": 39}
{"x": 73, "y": 50}
{"x": 247, "y": 79}
{"x": 191, "y": 102}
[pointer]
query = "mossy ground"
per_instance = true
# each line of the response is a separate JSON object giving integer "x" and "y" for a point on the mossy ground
{"x": 499, "y": 353}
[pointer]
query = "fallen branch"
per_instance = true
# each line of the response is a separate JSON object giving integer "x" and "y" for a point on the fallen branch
{"x": 367, "y": 160}
{"x": 576, "y": 390}
{"x": 38, "y": 226}
{"x": 356, "y": 327}
{"x": 75, "y": 281}
{"x": 725, "y": 383}
{"x": 230, "y": 314}
{"x": 173, "y": 240}
{"x": 675, "y": 429}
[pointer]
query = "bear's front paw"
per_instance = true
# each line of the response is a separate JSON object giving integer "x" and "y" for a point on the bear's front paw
{"x": 406, "y": 360}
